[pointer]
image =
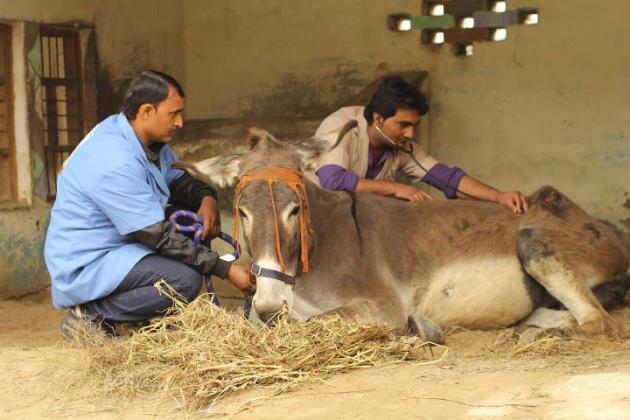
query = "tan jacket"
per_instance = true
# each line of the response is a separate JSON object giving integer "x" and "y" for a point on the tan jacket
{"x": 352, "y": 152}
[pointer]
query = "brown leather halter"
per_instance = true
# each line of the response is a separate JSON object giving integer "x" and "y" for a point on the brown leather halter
{"x": 294, "y": 180}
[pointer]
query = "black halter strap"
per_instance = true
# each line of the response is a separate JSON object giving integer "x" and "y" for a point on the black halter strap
{"x": 257, "y": 270}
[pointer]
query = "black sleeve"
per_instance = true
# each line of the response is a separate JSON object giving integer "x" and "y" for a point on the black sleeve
{"x": 164, "y": 239}
{"x": 187, "y": 192}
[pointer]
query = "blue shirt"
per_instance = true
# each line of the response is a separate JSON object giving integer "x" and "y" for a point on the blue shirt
{"x": 106, "y": 190}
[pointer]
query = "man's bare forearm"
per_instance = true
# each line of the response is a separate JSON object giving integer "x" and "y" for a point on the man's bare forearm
{"x": 513, "y": 200}
{"x": 477, "y": 189}
{"x": 376, "y": 186}
{"x": 391, "y": 188}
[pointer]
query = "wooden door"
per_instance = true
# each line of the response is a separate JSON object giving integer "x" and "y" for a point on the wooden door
{"x": 8, "y": 183}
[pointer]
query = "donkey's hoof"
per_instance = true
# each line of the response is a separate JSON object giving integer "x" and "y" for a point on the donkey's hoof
{"x": 427, "y": 329}
{"x": 606, "y": 325}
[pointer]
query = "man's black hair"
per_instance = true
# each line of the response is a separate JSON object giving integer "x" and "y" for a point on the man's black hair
{"x": 151, "y": 87}
{"x": 394, "y": 93}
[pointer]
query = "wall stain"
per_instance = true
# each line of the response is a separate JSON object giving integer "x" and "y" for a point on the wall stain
{"x": 112, "y": 84}
{"x": 303, "y": 95}
{"x": 110, "y": 93}
{"x": 615, "y": 136}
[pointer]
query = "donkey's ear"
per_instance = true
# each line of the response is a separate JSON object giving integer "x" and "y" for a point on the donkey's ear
{"x": 258, "y": 136}
{"x": 311, "y": 150}
{"x": 219, "y": 171}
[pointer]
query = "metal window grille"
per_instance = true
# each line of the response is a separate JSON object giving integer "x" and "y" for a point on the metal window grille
{"x": 61, "y": 82}
{"x": 7, "y": 141}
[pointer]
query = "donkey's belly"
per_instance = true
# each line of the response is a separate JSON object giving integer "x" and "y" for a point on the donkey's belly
{"x": 479, "y": 293}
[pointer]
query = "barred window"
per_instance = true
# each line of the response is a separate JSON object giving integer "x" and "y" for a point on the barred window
{"x": 63, "y": 112}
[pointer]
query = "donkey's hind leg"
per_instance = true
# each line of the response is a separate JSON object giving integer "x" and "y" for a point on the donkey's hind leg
{"x": 549, "y": 319}
{"x": 566, "y": 278}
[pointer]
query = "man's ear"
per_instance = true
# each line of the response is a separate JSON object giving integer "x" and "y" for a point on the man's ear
{"x": 146, "y": 111}
{"x": 377, "y": 118}
{"x": 219, "y": 171}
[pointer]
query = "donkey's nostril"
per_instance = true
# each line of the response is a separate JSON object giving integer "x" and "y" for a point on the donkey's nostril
{"x": 265, "y": 317}
{"x": 271, "y": 318}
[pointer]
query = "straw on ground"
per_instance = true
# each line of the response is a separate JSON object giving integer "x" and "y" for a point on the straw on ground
{"x": 200, "y": 353}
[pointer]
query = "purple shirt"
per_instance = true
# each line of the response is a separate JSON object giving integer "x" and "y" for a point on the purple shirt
{"x": 444, "y": 178}
{"x": 335, "y": 177}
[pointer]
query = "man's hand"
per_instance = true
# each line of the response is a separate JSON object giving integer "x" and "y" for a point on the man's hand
{"x": 209, "y": 210}
{"x": 513, "y": 200}
{"x": 410, "y": 193}
{"x": 240, "y": 277}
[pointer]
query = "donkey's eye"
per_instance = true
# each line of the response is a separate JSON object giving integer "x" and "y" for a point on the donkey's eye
{"x": 294, "y": 211}
{"x": 242, "y": 214}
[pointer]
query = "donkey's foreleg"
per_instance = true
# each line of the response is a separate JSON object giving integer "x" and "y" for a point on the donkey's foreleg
{"x": 370, "y": 311}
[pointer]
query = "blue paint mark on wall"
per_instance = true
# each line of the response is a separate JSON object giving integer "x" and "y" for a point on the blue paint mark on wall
{"x": 618, "y": 135}
{"x": 22, "y": 268}
{"x": 617, "y": 156}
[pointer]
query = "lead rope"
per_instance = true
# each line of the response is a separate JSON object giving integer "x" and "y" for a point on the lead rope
{"x": 276, "y": 226}
{"x": 196, "y": 226}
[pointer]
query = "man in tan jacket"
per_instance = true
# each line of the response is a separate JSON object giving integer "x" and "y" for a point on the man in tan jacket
{"x": 369, "y": 154}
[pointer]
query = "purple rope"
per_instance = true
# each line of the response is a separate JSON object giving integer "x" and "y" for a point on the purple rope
{"x": 196, "y": 225}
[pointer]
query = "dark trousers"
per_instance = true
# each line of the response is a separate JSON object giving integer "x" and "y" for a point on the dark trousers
{"x": 136, "y": 299}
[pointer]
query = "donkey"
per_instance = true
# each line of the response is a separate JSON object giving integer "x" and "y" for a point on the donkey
{"x": 418, "y": 267}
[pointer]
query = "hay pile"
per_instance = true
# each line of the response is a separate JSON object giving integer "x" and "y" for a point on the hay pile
{"x": 550, "y": 345}
{"x": 538, "y": 342}
{"x": 201, "y": 353}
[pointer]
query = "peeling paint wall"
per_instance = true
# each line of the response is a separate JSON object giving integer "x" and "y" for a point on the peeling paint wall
{"x": 548, "y": 106}
{"x": 277, "y": 58}
{"x": 130, "y": 36}
{"x": 22, "y": 229}
{"x": 22, "y": 268}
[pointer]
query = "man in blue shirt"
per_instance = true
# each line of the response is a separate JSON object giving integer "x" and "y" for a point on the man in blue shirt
{"x": 108, "y": 241}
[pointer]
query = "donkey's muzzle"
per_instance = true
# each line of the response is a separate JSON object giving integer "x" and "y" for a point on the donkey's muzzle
{"x": 271, "y": 317}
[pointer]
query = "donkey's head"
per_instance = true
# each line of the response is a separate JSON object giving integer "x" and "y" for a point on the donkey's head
{"x": 271, "y": 208}
{"x": 271, "y": 204}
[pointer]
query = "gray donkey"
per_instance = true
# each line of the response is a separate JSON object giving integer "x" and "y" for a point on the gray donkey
{"x": 421, "y": 266}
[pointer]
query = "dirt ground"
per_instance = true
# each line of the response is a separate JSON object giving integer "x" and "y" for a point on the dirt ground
{"x": 41, "y": 379}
